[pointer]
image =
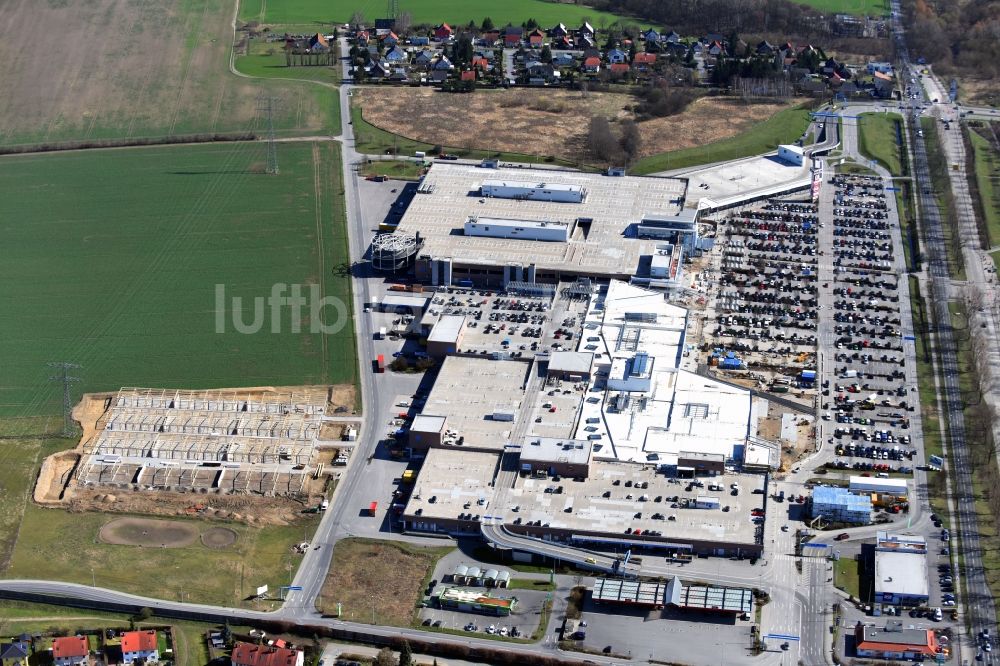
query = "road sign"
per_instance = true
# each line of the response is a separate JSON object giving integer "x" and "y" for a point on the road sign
{"x": 910, "y": 338}
{"x": 294, "y": 588}
{"x": 782, "y": 637}
{"x": 262, "y": 590}
{"x": 892, "y": 189}
{"x": 815, "y": 545}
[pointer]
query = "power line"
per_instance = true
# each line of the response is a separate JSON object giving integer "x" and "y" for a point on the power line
{"x": 266, "y": 104}
{"x": 392, "y": 10}
{"x": 66, "y": 380}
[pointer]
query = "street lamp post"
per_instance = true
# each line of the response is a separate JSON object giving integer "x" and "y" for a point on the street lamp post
{"x": 372, "y": 597}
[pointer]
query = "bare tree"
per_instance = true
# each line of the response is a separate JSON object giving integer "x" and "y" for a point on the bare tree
{"x": 631, "y": 140}
{"x": 357, "y": 19}
{"x": 602, "y": 140}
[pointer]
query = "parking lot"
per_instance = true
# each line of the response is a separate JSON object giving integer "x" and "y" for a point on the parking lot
{"x": 686, "y": 636}
{"x": 865, "y": 393}
{"x": 766, "y": 308}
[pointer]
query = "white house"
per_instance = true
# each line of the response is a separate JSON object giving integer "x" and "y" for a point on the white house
{"x": 140, "y": 647}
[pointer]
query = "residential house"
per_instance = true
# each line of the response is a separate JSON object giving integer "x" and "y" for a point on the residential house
{"x": 541, "y": 70}
{"x": 468, "y": 75}
{"x": 481, "y": 63}
{"x": 536, "y": 37}
{"x": 714, "y": 37}
{"x": 884, "y": 67}
{"x": 70, "y": 651}
{"x": 420, "y": 40}
{"x": 443, "y": 64}
{"x": 424, "y": 59}
{"x": 831, "y": 67}
{"x": 362, "y": 37}
{"x": 764, "y": 48}
{"x": 439, "y": 76}
{"x": 616, "y": 56}
{"x": 396, "y": 55}
{"x": 390, "y": 39}
{"x": 559, "y": 31}
{"x": 563, "y": 59}
{"x": 386, "y": 24}
{"x": 443, "y": 32}
{"x": 140, "y": 647}
{"x": 586, "y": 30}
{"x": 643, "y": 62}
{"x": 512, "y": 36}
{"x": 378, "y": 70}
{"x": 592, "y": 65}
{"x": 850, "y": 89}
{"x": 619, "y": 68}
{"x": 561, "y": 44}
{"x": 398, "y": 74}
{"x": 884, "y": 84}
{"x": 586, "y": 42}
{"x": 651, "y": 35}
{"x": 318, "y": 43}
{"x": 14, "y": 653}
{"x": 249, "y": 654}
{"x": 489, "y": 37}
{"x": 671, "y": 38}
{"x": 716, "y": 48}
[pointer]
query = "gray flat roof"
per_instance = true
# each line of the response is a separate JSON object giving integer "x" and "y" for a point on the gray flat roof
{"x": 728, "y": 599}
{"x": 468, "y": 390}
{"x": 556, "y": 450}
{"x": 396, "y": 300}
{"x": 427, "y": 423}
{"x": 613, "y": 204}
{"x": 615, "y": 590}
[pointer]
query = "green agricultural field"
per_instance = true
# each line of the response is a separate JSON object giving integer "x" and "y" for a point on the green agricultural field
{"x": 856, "y": 7}
{"x": 455, "y": 12}
{"x": 877, "y": 140}
{"x": 143, "y": 68}
{"x": 112, "y": 260}
{"x": 783, "y": 127}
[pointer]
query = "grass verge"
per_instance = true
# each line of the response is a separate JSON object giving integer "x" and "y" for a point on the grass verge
{"x": 783, "y": 127}
{"x": 395, "y": 169}
{"x": 846, "y": 577}
{"x": 986, "y": 161}
{"x": 384, "y": 579}
{"x": 878, "y": 139}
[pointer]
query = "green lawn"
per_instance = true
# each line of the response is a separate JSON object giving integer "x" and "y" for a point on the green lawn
{"x": 19, "y": 460}
{"x": 529, "y": 584}
{"x": 267, "y": 60}
{"x": 399, "y": 169}
{"x": 877, "y": 140}
{"x": 455, "y": 12}
{"x": 857, "y": 7}
{"x": 988, "y": 182}
{"x": 846, "y": 577}
{"x": 783, "y": 127}
{"x": 112, "y": 260}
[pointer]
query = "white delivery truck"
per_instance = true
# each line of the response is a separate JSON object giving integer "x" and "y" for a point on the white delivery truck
{"x": 381, "y": 334}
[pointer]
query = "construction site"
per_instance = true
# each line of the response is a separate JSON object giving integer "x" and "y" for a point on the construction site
{"x": 265, "y": 443}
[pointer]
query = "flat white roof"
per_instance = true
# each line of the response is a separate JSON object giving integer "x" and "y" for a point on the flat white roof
{"x": 395, "y": 300}
{"x": 682, "y": 412}
{"x": 875, "y": 484}
{"x": 561, "y": 187}
{"x": 427, "y": 423}
{"x": 447, "y": 329}
{"x": 901, "y": 573}
{"x": 571, "y": 361}
{"x": 792, "y": 149}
